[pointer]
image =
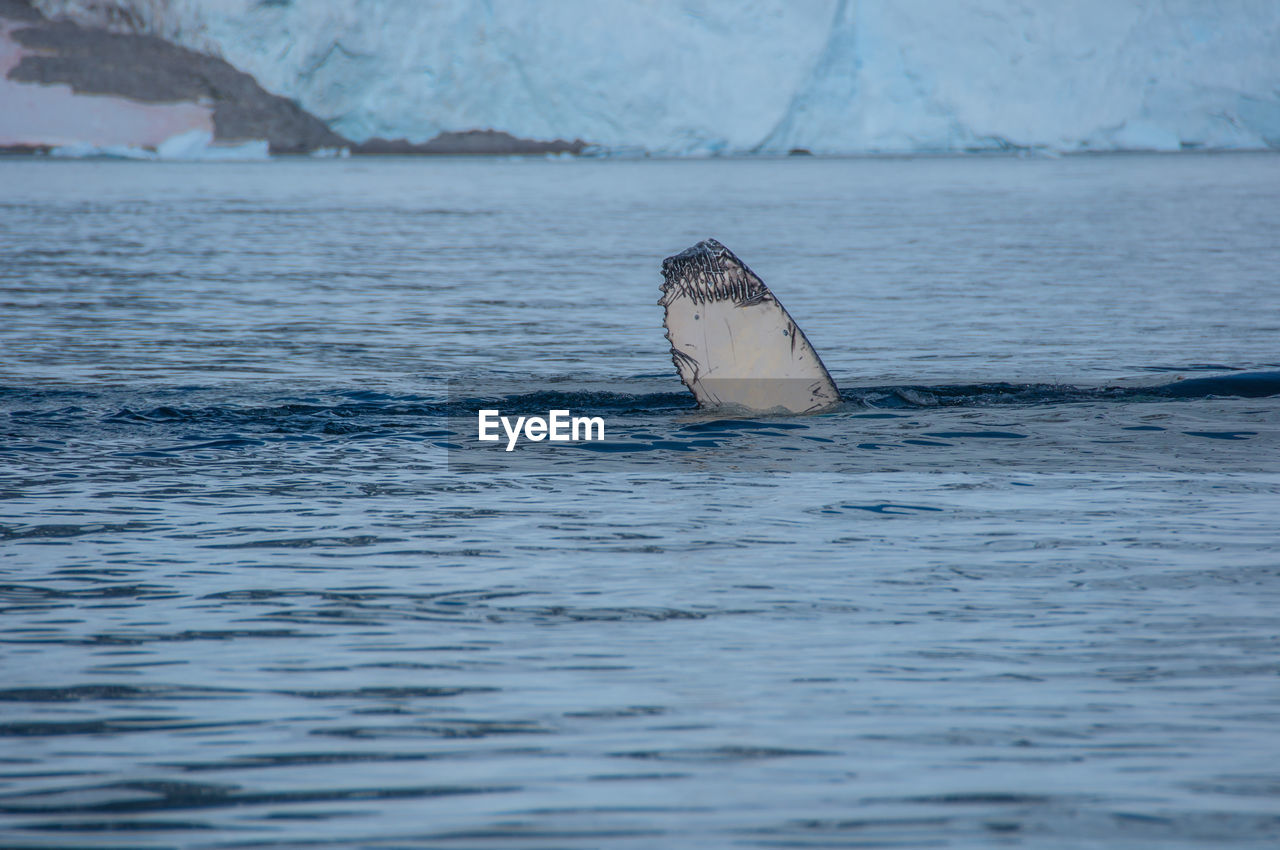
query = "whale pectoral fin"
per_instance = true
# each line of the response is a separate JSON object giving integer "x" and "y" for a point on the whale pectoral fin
{"x": 732, "y": 341}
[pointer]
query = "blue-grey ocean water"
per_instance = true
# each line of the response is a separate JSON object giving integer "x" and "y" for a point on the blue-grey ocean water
{"x": 1021, "y": 590}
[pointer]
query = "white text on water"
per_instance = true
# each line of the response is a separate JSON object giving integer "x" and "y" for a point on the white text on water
{"x": 558, "y": 427}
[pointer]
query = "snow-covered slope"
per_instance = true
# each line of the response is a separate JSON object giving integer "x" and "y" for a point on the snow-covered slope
{"x": 704, "y": 76}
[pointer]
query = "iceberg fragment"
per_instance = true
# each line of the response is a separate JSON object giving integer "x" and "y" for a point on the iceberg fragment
{"x": 193, "y": 145}
{"x": 84, "y": 150}
{"x": 198, "y": 145}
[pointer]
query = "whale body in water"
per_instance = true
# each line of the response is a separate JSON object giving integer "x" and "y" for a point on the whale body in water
{"x": 732, "y": 341}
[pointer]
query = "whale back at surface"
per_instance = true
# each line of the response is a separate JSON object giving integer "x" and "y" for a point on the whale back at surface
{"x": 733, "y": 342}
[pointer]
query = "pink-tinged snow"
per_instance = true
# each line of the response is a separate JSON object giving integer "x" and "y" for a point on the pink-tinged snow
{"x": 34, "y": 115}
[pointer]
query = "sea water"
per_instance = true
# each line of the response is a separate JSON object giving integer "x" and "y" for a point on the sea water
{"x": 1022, "y": 589}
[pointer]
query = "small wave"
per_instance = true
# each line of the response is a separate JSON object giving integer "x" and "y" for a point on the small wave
{"x": 356, "y": 407}
{"x": 140, "y": 796}
{"x": 364, "y": 405}
{"x": 1240, "y": 385}
{"x": 358, "y": 413}
{"x": 1236, "y": 385}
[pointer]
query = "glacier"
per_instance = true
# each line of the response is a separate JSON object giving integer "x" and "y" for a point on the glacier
{"x": 700, "y": 77}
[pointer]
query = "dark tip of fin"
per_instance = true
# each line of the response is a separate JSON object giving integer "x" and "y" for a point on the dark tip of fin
{"x": 709, "y": 271}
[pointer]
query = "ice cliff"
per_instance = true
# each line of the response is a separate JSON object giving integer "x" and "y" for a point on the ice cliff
{"x": 701, "y": 76}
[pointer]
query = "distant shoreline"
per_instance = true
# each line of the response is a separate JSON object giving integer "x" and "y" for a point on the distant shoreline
{"x": 424, "y": 152}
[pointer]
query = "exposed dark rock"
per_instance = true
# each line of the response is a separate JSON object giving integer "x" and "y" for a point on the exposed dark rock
{"x": 484, "y": 142}
{"x": 149, "y": 69}
{"x": 23, "y": 150}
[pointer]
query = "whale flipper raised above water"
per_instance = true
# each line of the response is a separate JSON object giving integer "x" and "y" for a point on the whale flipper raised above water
{"x": 733, "y": 342}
